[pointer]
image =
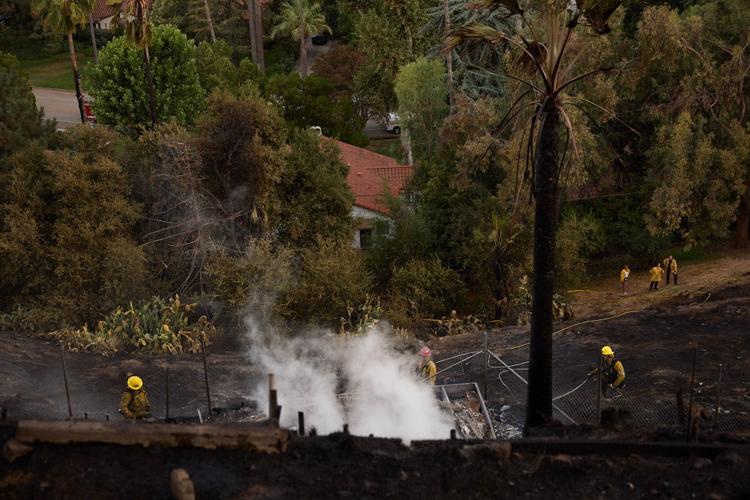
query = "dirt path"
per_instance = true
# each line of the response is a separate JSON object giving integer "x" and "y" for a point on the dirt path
{"x": 604, "y": 298}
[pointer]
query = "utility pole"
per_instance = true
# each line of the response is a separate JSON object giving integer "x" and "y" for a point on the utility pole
{"x": 210, "y": 22}
{"x": 448, "y": 54}
{"x": 258, "y": 21}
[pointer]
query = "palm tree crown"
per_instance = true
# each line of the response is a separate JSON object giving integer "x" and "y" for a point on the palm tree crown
{"x": 300, "y": 18}
{"x": 62, "y": 16}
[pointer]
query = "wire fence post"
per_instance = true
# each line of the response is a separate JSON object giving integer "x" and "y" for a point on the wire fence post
{"x": 486, "y": 363}
{"x": 205, "y": 375}
{"x": 599, "y": 393}
{"x": 65, "y": 379}
{"x": 692, "y": 390}
{"x": 166, "y": 398}
{"x": 718, "y": 396}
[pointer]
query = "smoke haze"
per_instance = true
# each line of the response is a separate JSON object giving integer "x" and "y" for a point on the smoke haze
{"x": 359, "y": 380}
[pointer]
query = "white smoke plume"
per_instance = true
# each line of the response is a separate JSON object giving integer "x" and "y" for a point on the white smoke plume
{"x": 359, "y": 380}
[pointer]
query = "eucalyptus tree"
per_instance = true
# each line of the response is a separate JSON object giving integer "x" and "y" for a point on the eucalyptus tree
{"x": 138, "y": 29}
{"x": 66, "y": 16}
{"x": 542, "y": 56}
{"x": 300, "y": 19}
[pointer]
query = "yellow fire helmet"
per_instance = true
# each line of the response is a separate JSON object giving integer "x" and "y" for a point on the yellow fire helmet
{"x": 607, "y": 351}
{"x": 135, "y": 383}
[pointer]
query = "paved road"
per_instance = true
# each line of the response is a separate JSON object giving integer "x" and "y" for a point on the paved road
{"x": 58, "y": 104}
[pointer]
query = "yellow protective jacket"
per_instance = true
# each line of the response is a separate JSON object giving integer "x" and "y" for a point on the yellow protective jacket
{"x": 624, "y": 274}
{"x": 134, "y": 404}
{"x": 614, "y": 374}
{"x": 656, "y": 273}
{"x": 428, "y": 370}
{"x": 674, "y": 266}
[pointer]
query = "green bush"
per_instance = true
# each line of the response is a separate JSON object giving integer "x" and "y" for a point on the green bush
{"x": 120, "y": 89}
{"x": 577, "y": 238}
{"x": 66, "y": 238}
{"x": 333, "y": 284}
{"x": 426, "y": 288}
{"x": 153, "y": 326}
{"x": 251, "y": 281}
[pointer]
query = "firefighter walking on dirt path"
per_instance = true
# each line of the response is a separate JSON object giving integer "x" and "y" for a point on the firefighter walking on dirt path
{"x": 656, "y": 274}
{"x": 670, "y": 265}
{"x": 134, "y": 403}
{"x": 624, "y": 277}
{"x": 427, "y": 367}
{"x": 613, "y": 373}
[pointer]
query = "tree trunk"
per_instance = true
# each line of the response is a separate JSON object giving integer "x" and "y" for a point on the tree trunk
{"x": 93, "y": 39}
{"x": 151, "y": 86}
{"x": 251, "y": 28}
{"x": 302, "y": 54}
{"x": 210, "y": 22}
{"x": 76, "y": 76}
{"x": 539, "y": 397}
{"x": 742, "y": 232}
{"x": 258, "y": 40}
{"x": 448, "y": 54}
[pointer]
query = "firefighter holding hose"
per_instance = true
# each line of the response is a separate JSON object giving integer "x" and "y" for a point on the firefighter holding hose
{"x": 427, "y": 367}
{"x": 134, "y": 404}
{"x": 613, "y": 373}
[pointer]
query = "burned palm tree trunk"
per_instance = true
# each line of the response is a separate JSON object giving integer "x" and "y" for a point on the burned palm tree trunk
{"x": 539, "y": 398}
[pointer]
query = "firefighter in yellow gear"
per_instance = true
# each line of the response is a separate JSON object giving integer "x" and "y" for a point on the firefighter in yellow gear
{"x": 624, "y": 277}
{"x": 134, "y": 401}
{"x": 613, "y": 373}
{"x": 673, "y": 268}
{"x": 427, "y": 367}
{"x": 670, "y": 265}
{"x": 656, "y": 273}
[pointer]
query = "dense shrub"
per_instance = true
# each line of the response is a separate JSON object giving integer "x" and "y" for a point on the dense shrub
{"x": 577, "y": 238}
{"x": 426, "y": 288}
{"x": 251, "y": 282}
{"x": 332, "y": 284}
{"x": 65, "y": 238}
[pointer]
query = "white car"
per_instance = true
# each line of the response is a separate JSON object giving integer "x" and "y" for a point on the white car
{"x": 392, "y": 123}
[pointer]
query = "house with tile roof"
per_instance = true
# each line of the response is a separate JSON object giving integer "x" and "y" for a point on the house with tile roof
{"x": 102, "y": 17}
{"x": 371, "y": 176}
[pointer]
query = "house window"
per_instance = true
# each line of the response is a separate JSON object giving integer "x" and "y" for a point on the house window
{"x": 365, "y": 238}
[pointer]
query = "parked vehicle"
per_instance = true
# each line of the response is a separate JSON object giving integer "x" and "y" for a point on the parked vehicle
{"x": 392, "y": 123}
{"x": 88, "y": 113}
{"x": 320, "y": 39}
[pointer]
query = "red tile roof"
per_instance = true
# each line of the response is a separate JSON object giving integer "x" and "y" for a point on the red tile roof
{"x": 371, "y": 175}
{"x": 103, "y": 10}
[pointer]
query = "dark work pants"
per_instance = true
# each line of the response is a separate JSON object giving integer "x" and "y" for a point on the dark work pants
{"x": 668, "y": 273}
{"x": 675, "y": 278}
{"x": 654, "y": 285}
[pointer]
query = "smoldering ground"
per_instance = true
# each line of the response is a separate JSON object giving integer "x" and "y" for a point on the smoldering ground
{"x": 360, "y": 380}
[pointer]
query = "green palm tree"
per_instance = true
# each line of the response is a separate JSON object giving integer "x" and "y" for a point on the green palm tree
{"x": 66, "y": 16}
{"x": 138, "y": 31}
{"x": 546, "y": 68}
{"x": 300, "y": 19}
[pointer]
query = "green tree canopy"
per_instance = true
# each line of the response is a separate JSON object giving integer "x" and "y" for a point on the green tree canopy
{"x": 422, "y": 94}
{"x": 20, "y": 120}
{"x": 312, "y": 197}
{"x": 119, "y": 86}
